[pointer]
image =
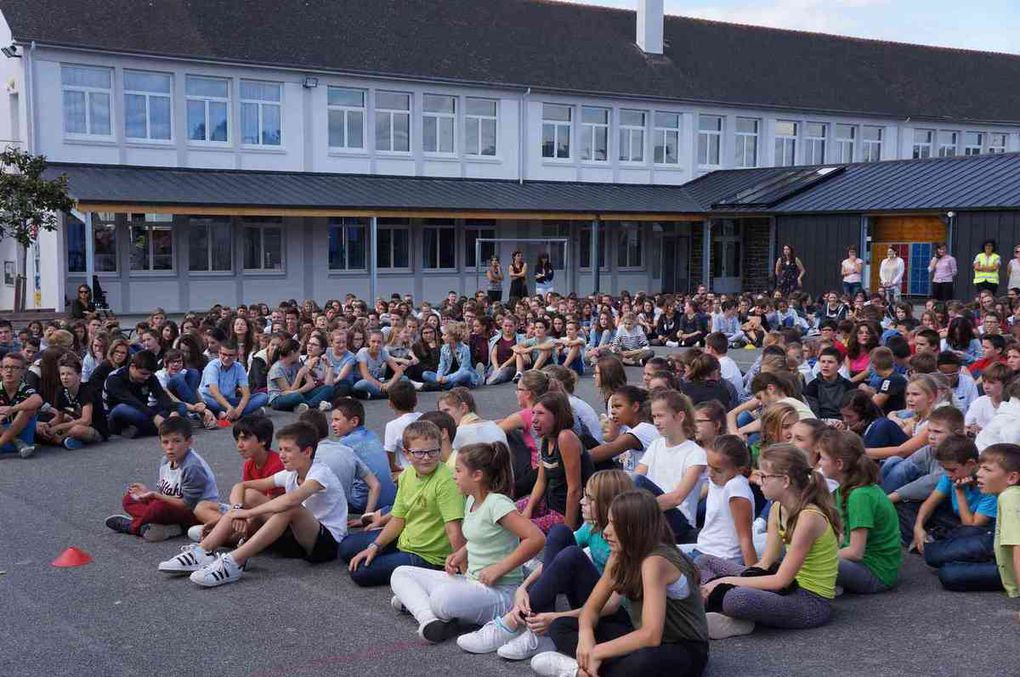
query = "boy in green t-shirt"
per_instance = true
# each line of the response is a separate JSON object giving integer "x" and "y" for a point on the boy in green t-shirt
{"x": 424, "y": 526}
{"x": 999, "y": 474}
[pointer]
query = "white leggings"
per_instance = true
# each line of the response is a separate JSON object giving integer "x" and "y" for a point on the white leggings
{"x": 430, "y": 594}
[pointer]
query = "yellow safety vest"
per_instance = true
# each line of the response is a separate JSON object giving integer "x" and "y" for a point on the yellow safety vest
{"x": 980, "y": 276}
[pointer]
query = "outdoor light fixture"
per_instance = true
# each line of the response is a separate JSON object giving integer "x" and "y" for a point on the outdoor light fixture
{"x": 311, "y": 83}
{"x": 11, "y": 51}
{"x": 950, "y": 214}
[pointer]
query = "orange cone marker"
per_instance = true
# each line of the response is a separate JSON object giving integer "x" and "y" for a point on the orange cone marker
{"x": 72, "y": 557}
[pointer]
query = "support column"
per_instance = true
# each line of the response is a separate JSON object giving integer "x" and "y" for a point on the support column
{"x": 90, "y": 250}
{"x": 706, "y": 255}
{"x": 595, "y": 267}
{"x": 373, "y": 267}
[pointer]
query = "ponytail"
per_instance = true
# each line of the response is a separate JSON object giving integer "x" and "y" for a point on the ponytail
{"x": 493, "y": 460}
{"x": 805, "y": 481}
{"x": 859, "y": 470}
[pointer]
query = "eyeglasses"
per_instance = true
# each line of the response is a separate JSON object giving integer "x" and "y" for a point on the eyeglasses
{"x": 766, "y": 476}
{"x": 10, "y": 367}
{"x": 422, "y": 454}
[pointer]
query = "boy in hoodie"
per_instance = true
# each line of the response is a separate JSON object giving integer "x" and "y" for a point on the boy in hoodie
{"x": 825, "y": 394}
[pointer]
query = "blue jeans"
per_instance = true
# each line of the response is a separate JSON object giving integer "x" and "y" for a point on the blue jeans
{"x": 851, "y": 288}
{"x": 123, "y": 415}
{"x": 288, "y": 401}
{"x": 184, "y": 385}
{"x": 743, "y": 418}
{"x": 27, "y": 435}
{"x": 897, "y": 471}
{"x": 460, "y": 378}
{"x": 385, "y": 561}
{"x": 255, "y": 402}
{"x": 682, "y": 529}
{"x": 965, "y": 559}
{"x": 565, "y": 570}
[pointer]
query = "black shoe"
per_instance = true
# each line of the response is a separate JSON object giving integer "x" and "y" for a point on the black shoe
{"x": 119, "y": 523}
{"x": 129, "y": 431}
{"x": 439, "y": 631}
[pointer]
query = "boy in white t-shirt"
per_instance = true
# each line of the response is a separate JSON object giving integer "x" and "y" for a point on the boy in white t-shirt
{"x": 403, "y": 401}
{"x": 308, "y": 521}
{"x": 673, "y": 468}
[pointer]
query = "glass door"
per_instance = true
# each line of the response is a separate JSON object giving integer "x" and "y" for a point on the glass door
{"x": 726, "y": 257}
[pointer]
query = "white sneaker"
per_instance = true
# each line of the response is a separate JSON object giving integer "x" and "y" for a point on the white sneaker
{"x": 526, "y": 645}
{"x": 721, "y": 626}
{"x": 418, "y": 385}
{"x": 194, "y": 534}
{"x": 301, "y": 408}
{"x": 325, "y": 406}
{"x": 191, "y": 558}
{"x": 220, "y": 572}
{"x": 491, "y": 636}
{"x": 672, "y": 344}
{"x": 554, "y": 664}
{"x": 398, "y": 605}
{"x": 480, "y": 372}
{"x": 25, "y": 450}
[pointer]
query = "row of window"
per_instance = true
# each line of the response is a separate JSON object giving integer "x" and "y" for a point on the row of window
{"x": 947, "y": 143}
{"x": 210, "y": 248}
{"x": 148, "y": 113}
{"x": 851, "y": 143}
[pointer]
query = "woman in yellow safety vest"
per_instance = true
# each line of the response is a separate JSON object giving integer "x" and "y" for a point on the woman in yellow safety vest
{"x": 986, "y": 268}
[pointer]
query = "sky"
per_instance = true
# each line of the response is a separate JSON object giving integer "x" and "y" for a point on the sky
{"x": 990, "y": 25}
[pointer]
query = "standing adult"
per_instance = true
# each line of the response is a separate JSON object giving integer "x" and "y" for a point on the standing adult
{"x": 1013, "y": 269}
{"x": 494, "y": 276}
{"x": 890, "y": 275}
{"x": 851, "y": 270}
{"x": 518, "y": 277}
{"x": 544, "y": 275}
{"x": 943, "y": 270}
{"x": 789, "y": 271}
{"x": 986, "y": 268}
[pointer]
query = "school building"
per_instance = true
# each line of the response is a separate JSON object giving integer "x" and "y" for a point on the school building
{"x": 256, "y": 151}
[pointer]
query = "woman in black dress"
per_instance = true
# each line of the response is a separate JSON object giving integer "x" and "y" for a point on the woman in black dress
{"x": 789, "y": 271}
{"x": 518, "y": 277}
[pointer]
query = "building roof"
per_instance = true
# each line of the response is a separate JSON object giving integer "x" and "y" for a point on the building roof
{"x": 958, "y": 183}
{"x": 119, "y": 184}
{"x": 546, "y": 45}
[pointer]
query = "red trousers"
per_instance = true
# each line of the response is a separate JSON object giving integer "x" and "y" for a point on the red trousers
{"x": 155, "y": 511}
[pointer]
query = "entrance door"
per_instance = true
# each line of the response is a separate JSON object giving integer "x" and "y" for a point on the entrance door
{"x": 675, "y": 257}
{"x": 726, "y": 257}
{"x": 914, "y": 238}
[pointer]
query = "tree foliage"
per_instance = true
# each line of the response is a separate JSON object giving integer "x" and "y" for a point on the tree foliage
{"x": 28, "y": 201}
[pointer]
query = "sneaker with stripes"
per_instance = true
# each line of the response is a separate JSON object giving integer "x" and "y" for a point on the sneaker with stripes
{"x": 191, "y": 558}
{"x": 224, "y": 570}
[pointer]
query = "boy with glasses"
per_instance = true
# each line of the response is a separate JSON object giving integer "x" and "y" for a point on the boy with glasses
{"x": 19, "y": 403}
{"x": 225, "y": 389}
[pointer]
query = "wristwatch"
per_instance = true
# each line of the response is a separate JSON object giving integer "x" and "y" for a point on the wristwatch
{"x": 237, "y": 506}
{"x": 373, "y": 544}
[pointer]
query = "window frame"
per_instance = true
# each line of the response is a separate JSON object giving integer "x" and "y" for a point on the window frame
{"x": 786, "y": 145}
{"x": 627, "y": 132}
{"x": 871, "y": 149}
{"x": 710, "y": 137}
{"x": 584, "y": 238}
{"x": 391, "y": 113}
{"x": 941, "y": 147}
{"x": 481, "y": 229}
{"x": 626, "y": 229}
{"x": 450, "y": 119}
{"x": 445, "y": 227}
{"x": 996, "y": 149}
{"x": 150, "y": 226}
{"x": 589, "y": 134}
{"x": 88, "y": 91}
{"x": 918, "y": 147}
{"x": 261, "y": 105}
{"x": 558, "y": 126}
{"x": 392, "y": 226}
{"x": 968, "y": 147}
{"x": 208, "y": 222}
{"x": 813, "y": 144}
{"x": 743, "y": 140}
{"x": 842, "y": 143}
{"x": 345, "y": 110}
{"x": 262, "y": 224}
{"x": 345, "y": 224}
{"x": 663, "y": 132}
{"x": 148, "y": 96}
{"x": 206, "y": 100}
{"x": 480, "y": 121}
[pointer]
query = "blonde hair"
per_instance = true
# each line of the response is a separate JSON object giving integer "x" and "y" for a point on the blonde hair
{"x": 772, "y": 422}
{"x": 455, "y": 330}
{"x": 602, "y": 488}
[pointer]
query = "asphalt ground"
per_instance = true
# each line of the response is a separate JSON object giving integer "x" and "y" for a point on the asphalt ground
{"x": 119, "y": 616}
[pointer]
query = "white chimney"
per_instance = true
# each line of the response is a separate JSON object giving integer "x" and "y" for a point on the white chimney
{"x": 649, "y": 26}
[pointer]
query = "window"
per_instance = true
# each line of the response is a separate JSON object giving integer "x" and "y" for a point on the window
{"x": 594, "y": 134}
{"x": 948, "y": 142}
{"x": 585, "y": 246}
{"x": 632, "y": 136}
{"x": 556, "y": 131}
{"x": 997, "y": 142}
{"x": 667, "y": 139}
{"x": 152, "y": 242}
{"x": 815, "y": 139}
{"x": 924, "y": 141}
{"x": 487, "y": 249}
{"x": 104, "y": 242}
{"x": 208, "y": 104}
{"x": 871, "y": 143}
{"x": 346, "y": 111}
{"x": 147, "y": 105}
{"x": 263, "y": 244}
{"x": 439, "y": 248}
{"x": 480, "y": 123}
{"x": 628, "y": 246}
{"x": 210, "y": 245}
{"x": 846, "y": 139}
{"x": 347, "y": 244}
{"x": 261, "y": 113}
{"x": 87, "y": 93}
{"x": 393, "y": 248}
{"x": 710, "y": 129}
{"x": 973, "y": 143}
{"x": 786, "y": 143}
{"x": 747, "y": 143}
{"x": 439, "y": 124}
{"x": 393, "y": 122}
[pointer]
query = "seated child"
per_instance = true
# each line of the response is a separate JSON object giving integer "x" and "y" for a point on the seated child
{"x": 403, "y": 400}
{"x": 870, "y": 556}
{"x": 729, "y": 509}
{"x": 913, "y": 478}
{"x": 186, "y": 491}
{"x": 424, "y": 527}
{"x": 791, "y": 590}
{"x": 341, "y": 459}
{"x": 963, "y": 537}
{"x": 480, "y": 577}
{"x": 999, "y": 475}
{"x": 79, "y": 418}
{"x": 665, "y": 631}
{"x": 136, "y": 403}
{"x": 523, "y": 631}
{"x": 308, "y": 521}
{"x": 348, "y": 423}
